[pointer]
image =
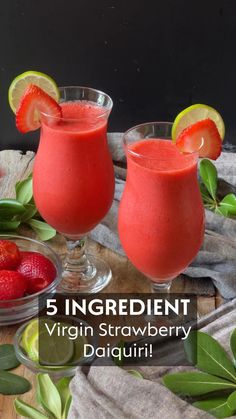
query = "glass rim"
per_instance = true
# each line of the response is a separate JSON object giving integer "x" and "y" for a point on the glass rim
{"x": 107, "y": 109}
{"x": 152, "y": 123}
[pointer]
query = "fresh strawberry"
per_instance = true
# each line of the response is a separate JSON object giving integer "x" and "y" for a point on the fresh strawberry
{"x": 9, "y": 255}
{"x": 35, "y": 266}
{"x": 37, "y": 284}
{"x": 203, "y": 137}
{"x": 34, "y": 101}
{"x": 12, "y": 285}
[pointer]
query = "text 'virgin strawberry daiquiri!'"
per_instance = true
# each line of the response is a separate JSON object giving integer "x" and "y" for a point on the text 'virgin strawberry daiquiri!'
{"x": 161, "y": 215}
{"x": 73, "y": 176}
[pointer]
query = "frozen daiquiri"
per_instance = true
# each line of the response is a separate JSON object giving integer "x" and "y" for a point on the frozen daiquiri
{"x": 73, "y": 177}
{"x": 161, "y": 215}
{"x": 73, "y": 162}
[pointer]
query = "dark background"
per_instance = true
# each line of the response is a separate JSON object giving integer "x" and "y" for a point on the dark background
{"x": 154, "y": 57}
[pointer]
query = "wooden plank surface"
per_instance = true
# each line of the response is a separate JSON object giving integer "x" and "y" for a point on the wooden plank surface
{"x": 15, "y": 166}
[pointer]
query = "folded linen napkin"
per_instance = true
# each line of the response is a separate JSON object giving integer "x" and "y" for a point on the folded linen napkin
{"x": 112, "y": 393}
{"x": 217, "y": 258}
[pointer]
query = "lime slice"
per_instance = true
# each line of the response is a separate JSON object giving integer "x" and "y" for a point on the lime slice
{"x": 78, "y": 354}
{"x": 78, "y": 349}
{"x": 79, "y": 343}
{"x": 30, "y": 332}
{"x": 194, "y": 114}
{"x": 20, "y": 83}
{"x": 30, "y": 337}
{"x": 54, "y": 350}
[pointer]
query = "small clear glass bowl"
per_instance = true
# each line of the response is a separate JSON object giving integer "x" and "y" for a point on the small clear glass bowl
{"x": 22, "y": 309}
{"x": 55, "y": 372}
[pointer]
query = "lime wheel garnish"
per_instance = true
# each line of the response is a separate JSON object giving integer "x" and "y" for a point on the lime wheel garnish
{"x": 21, "y": 82}
{"x": 196, "y": 113}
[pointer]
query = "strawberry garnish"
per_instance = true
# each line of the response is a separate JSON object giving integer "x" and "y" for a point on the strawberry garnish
{"x": 12, "y": 285}
{"x": 34, "y": 101}
{"x": 37, "y": 269}
{"x": 203, "y": 137}
{"x": 9, "y": 255}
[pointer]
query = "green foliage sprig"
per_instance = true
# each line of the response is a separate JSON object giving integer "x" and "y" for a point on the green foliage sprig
{"x": 208, "y": 187}
{"x": 215, "y": 386}
{"x": 54, "y": 400}
{"x": 22, "y": 210}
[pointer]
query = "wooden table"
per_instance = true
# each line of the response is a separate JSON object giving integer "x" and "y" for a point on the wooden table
{"x": 16, "y": 166}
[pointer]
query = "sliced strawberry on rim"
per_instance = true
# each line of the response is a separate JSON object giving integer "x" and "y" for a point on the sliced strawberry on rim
{"x": 202, "y": 137}
{"x": 34, "y": 101}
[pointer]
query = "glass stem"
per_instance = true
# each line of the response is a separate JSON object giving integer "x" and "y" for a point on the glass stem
{"x": 161, "y": 288}
{"x": 83, "y": 273}
{"x": 76, "y": 259}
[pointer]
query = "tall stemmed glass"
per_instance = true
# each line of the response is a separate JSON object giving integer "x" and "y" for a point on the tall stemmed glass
{"x": 161, "y": 215}
{"x": 73, "y": 181}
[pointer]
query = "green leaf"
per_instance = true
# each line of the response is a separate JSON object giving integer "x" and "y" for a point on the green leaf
{"x": 207, "y": 199}
{"x": 49, "y": 395}
{"x": 37, "y": 396}
{"x": 208, "y": 174}
{"x": 118, "y": 360}
{"x": 195, "y": 383}
{"x": 231, "y": 401}
{"x": 24, "y": 190}
{"x": 30, "y": 211}
{"x": 67, "y": 407}
{"x": 209, "y": 355}
{"x": 64, "y": 390}
{"x": 42, "y": 229}
{"x": 9, "y": 225}
{"x": 135, "y": 373}
{"x": 8, "y": 359}
{"x": 190, "y": 347}
{"x": 229, "y": 203}
{"x": 233, "y": 343}
{"x": 222, "y": 211}
{"x": 9, "y": 208}
{"x": 13, "y": 384}
{"x": 216, "y": 406}
{"x": 24, "y": 409}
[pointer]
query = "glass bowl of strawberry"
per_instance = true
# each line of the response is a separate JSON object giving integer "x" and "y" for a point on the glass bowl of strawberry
{"x": 29, "y": 270}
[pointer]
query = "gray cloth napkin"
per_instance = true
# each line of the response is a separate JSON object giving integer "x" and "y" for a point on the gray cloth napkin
{"x": 112, "y": 393}
{"x": 217, "y": 258}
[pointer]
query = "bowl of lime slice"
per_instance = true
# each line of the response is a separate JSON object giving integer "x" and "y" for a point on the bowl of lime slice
{"x": 46, "y": 346}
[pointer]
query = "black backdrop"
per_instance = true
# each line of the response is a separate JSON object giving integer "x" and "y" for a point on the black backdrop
{"x": 154, "y": 57}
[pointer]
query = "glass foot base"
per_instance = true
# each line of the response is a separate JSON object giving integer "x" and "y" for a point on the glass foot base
{"x": 94, "y": 279}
